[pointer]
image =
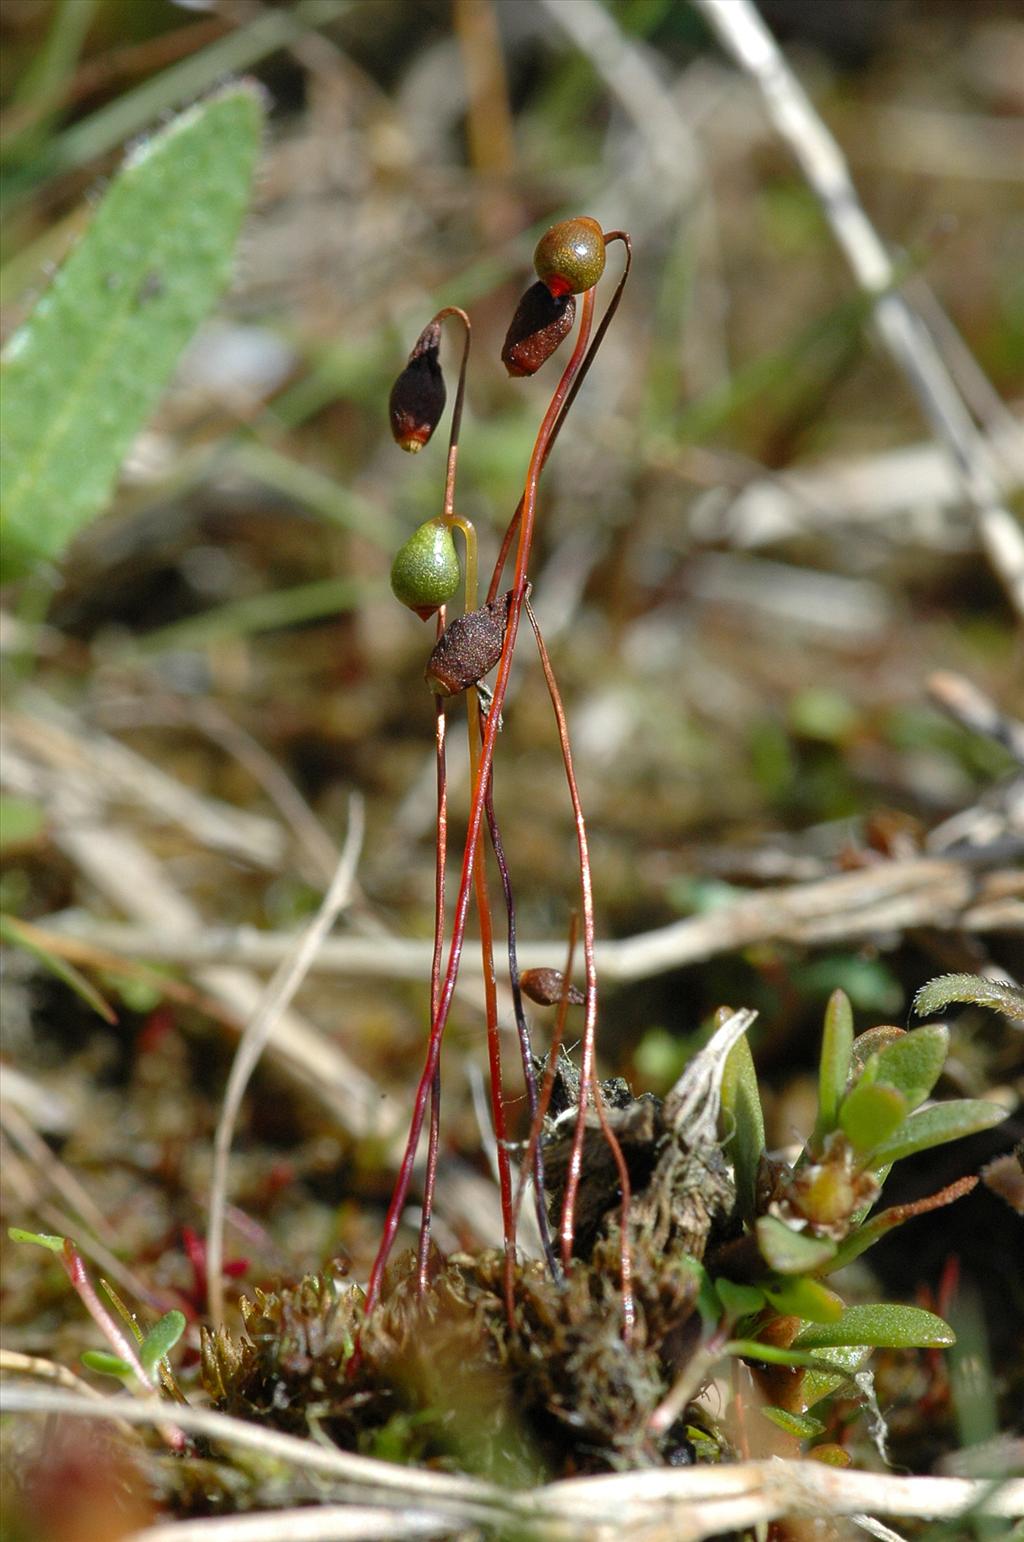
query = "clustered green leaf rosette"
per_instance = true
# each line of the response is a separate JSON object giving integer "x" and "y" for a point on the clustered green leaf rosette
{"x": 805, "y": 1221}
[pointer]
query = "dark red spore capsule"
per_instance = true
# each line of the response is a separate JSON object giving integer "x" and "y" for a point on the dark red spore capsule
{"x": 540, "y": 323}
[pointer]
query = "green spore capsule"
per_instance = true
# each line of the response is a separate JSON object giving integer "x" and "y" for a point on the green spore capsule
{"x": 426, "y": 572}
{"x": 570, "y": 256}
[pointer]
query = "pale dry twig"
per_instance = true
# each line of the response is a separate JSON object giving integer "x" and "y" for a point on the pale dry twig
{"x": 744, "y": 35}
{"x": 279, "y": 993}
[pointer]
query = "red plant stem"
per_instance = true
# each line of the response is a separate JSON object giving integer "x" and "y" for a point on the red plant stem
{"x": 588, "y": 1076}
{"x": 441, "y": 842}
{"x": 441, "y": 853}
{"x": 118, "y": 1340}
{"x": 460, "y": 393}
{"x": 483, "y": 906}
{"x": 543, "y": 1101}
{"x": 523, "y": 1031}
{"x": 437, "y": 1028}
{"x": 448, "y": 511}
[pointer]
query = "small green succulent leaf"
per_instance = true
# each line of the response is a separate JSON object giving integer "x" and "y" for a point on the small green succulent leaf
{"x": 881, "y": 1325}
{"x": 803, "y": 1426}
{"x": 870, "y": 1043}
{"x": 105, "y": 1363}
{"x": 834, "y": 1063}
{"x": 935, "y": 1126}
{"x": 160, "y": 1340}
{"x": 41, "y": 1239}
{"x": 88, "y": 366}
{"x": 809, "y": 1299}
{"x": 775, "y": 1354}
{"x": 841, "y": 1362}
{"x": 970, "y": 989}
{"x": 739, "y": 1300}
{"x": 742, "y": 1123}
{"x": 871, "y": 1113}
{"x": 786, "y": 1251}
{"x": 914, "y": 1062}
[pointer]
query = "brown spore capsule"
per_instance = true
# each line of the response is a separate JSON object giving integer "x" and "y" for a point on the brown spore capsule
{"x": 545, "y": 987}
{"x": 468, "y": 648}
{"x": 540, "y": 323}
{"x": 418, "y": 395}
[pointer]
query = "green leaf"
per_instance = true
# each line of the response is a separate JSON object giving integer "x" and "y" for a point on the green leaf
{"x": 791, "y": 1252}
{"x": 803, "y": 1426}
{"x": 871, "y": 1113}
{"x": 41, "y": 1239}
{"x": 161, "y": 1339}
{"x": 809, "y": 1299}
{"x": 914, "y": 1062}
{"x": 866, "y": 1045}
{"x": 23, "y": 935}
{"x": 775, "y": 1354}
{"x": 708, "y": 1304}
{"x": 107, "y": 1364}
{"x": 739, "y": 1300}
{"x": 742, "y": 1122}
{"x": 936, "y": 1125}
{"x": 881, "y": 1326}
{"x": 973, "y": 989}
{"x": 834, "y": 1065}
{"x": 86, "y": 369}
{"x": 841, "y": 1361}
{"x": 21, "y": 821}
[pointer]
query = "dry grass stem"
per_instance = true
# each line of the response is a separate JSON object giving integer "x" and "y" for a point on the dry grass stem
{"x": 883, "y": 897}
{"x": 685, "y": 1504}
{"x": 744, "y": 35}
{"x": 207, "y": 717}
{"x": 324, "y": 1523}
{"x": 47, "y": 746}
{"x": 258, "y": 1031}
{"x": 61, "y": 769}
{"x": 908, "y": 495}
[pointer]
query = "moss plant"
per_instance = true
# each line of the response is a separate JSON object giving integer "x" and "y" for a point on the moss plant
{"x": 675, "y": 1249}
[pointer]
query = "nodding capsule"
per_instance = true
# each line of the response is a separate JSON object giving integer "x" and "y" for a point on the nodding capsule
{"x": 426, "y": 572}
{"x": 418, "y": 395}
{"x": 546, "y": 987}
{"x": 570, "y": 256}
{"x": 539, "y": 325}
{"x": 468, "y": 648}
